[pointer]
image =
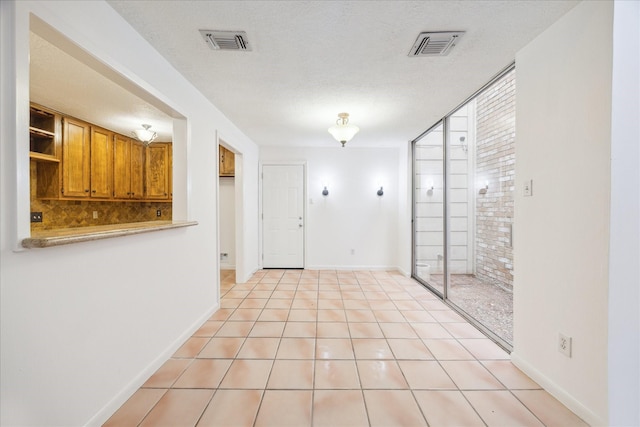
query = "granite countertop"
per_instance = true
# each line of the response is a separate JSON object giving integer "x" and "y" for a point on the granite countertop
{"x": 65, "y": 236}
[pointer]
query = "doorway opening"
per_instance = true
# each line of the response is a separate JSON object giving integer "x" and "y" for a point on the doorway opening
{"x": 229, "y": 180}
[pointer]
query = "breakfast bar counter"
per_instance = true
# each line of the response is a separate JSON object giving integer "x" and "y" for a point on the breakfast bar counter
{"x": 49, "y": 238}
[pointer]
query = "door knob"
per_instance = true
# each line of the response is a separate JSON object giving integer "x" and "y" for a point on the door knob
{"x": 300, "y": 225}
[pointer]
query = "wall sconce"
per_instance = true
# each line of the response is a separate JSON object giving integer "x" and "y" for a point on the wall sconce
{"x": 325, "y": 192}
{"x": 380, "y": 191}
{"x": 463, "y": 144}
{"x": 484, "y": 189}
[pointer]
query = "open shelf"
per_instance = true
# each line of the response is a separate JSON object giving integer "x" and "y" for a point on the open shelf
{"x": 42, "y": 132}
{"x": 40, "y": 157}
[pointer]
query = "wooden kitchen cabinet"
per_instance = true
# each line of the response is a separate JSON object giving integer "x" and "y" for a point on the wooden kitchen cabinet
{"x": 137, "y": 170}
{"x": 101, "y": 170}
{"x": 128, "y": 168}
{"x": 44, "y": 134}
{"x": 44, "y": 148}
{"x": 76, "y": 178}
{"x": 76, "y": 160}
{"x": 157, "y": 171}
{"x": 170, "y": 171}
{"x": 227, "y": 162}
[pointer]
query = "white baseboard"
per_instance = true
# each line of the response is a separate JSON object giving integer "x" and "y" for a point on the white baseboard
{"x": 558, "y": 392}
{"x": 120, "y": 398}
{"x": 352, "y": 267}
{"x": 404, "y": 273}
{"x": 248, "y": 276}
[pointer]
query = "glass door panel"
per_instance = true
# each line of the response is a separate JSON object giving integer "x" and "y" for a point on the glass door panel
{"x": 480, "y": 173}
{"x": 429, "y": 198}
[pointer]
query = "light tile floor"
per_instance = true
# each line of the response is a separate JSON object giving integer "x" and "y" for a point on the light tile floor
{"x": 338, "y": 348}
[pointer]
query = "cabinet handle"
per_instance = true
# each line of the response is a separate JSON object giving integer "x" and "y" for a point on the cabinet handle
{"x": 86, "y": 191}
{"x": 93, "y": 191}
{"x": 129, "y": 193}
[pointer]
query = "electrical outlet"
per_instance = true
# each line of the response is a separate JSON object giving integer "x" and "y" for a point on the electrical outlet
{"x": 158, "y": 213}
{"x": 95, "y": 214}
{"x": 564, "y": 344}
{"x": 528, "y": 188}
{"x": 224, "y": 256}
{"x": 36, "y": 216}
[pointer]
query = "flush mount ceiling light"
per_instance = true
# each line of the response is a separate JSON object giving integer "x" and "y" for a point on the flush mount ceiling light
{"x": 342, "y": 131}
{"x": 144, "y": 135}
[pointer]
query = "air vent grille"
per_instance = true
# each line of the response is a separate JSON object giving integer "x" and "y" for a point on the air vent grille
{"x": 435, "y": 43}
{"x": 226, "y": 40}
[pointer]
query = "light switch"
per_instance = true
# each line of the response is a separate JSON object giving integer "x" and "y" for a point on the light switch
{"x": 528, "y": 188}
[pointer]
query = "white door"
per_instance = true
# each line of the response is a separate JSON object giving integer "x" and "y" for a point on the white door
{"x": 283, "y": 216}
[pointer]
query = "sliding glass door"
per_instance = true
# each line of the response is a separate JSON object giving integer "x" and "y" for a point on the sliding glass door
{"x": 429, "y": 209}
{"x": 463, "y": 208}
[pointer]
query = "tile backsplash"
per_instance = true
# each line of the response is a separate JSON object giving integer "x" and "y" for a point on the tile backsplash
{"x": 71, "y": 213}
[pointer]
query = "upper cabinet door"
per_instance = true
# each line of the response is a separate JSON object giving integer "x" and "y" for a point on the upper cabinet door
{"x": 157, "y": 171}
{"x": 121, "y": 167}
{"x": 227, "y": 162}
{"x": 128, "y": 168}
{"x": 101, "y": 163}
{"x": 137, "y": 170}
{"x": 75, "y": 158}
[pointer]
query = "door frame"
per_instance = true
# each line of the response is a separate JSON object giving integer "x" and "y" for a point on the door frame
{"x": 444, "y": 121}
{"x": 302, "y": 163}
{"x": 238, "y": 207}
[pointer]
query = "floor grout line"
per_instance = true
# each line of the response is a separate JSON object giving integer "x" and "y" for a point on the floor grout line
{"x": 360, "y": 291}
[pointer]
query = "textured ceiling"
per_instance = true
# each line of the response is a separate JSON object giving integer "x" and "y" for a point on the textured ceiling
{"x": 60, "y": 81}
{"x": 311, "y": 60}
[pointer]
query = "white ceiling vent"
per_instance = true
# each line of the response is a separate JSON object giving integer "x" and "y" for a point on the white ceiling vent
{"x": 435, "y": 44}
{"x": 226, "y": 40}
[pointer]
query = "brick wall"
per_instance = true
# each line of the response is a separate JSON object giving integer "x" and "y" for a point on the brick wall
{"x": 495, "y": 164}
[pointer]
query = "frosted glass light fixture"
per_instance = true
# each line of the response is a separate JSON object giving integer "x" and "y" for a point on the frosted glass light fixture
{"x": 342, "y": 131}
{"x": 145, "y": 135}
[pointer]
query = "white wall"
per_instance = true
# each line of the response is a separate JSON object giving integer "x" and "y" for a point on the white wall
{"x": 352, "y": 216}
{"x": 83, "y": 325}
{"x": 624, "y": 268}
{"x": 562, "y": 233}
{"x": 227, "y": 200}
